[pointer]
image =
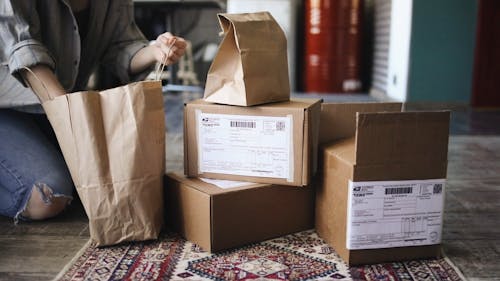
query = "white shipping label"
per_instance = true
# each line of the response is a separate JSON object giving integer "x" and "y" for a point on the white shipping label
{"x": 259, "y": 146}
{"x": 386, "y": 214}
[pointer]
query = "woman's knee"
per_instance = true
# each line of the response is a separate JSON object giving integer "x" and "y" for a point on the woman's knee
{"x": 44, "y": 204}
{"x": 34, "y": 180}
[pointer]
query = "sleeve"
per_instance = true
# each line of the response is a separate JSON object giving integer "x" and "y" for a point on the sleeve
{"x": 127, "y": 40}
{"x": 20, "y": 39}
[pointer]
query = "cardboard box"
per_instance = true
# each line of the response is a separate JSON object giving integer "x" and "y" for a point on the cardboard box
{"x": 218, "y": 219}
{"x": 274, "y": 143}
{"x": 338, "y": 120}
{"x": 395, "y": 164}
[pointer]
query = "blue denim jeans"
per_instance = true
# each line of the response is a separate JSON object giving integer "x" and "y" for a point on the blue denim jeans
{"x": 29, "y": 158}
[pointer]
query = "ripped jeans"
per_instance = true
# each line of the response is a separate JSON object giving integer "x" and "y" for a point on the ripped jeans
{"x": 29, "y": 159}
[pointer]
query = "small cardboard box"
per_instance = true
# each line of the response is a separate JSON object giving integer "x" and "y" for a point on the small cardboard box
{"x": 381, "y": 197}
{"x": 273, "y": 143}
{"x": 218, "y": 219}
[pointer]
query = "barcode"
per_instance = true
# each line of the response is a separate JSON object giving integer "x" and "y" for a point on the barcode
{"x": 280, "y": 126}
{"x": 438, "y": 188}
{"x": 242, "y": 124}
{"x": 399, "y": 190}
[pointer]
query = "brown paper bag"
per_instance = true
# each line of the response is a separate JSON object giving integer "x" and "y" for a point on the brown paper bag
{"x": 114, "y": 145}
{"x": 251, "y": 65}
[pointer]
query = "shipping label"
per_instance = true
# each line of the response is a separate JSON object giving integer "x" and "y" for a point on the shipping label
{"x": 258, "y": 146}
{"x": 386, "y": 214}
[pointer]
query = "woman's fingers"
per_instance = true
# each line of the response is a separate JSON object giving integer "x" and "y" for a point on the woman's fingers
{"x": 180, "y": 47}
{"x": 172, "y": 47}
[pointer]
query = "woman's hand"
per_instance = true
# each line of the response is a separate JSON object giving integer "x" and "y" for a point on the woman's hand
{"x": 167, "y": 49}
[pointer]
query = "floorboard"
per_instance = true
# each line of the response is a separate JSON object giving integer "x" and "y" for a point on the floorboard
{"x": 39, "y": 250}
{"x": 471, "y": 236}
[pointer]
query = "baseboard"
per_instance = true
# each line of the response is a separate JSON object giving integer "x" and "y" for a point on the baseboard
{"x": 381, "y": 96}
{"x": 452, "y": 106}
{"x": 417, "y": 106}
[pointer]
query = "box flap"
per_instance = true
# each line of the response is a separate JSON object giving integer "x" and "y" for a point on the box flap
{"x": 208, "y": 188}
{"x": 344, "y": 150}
{"x": 338, "y": 120}
{"x": 310, "y": 148}
{"x": 416, "y": 142}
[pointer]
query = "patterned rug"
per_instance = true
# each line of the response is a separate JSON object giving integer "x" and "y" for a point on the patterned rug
{"x": 299, "y": 256}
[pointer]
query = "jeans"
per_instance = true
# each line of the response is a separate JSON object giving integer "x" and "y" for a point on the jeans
{"x": 29, "y": 158}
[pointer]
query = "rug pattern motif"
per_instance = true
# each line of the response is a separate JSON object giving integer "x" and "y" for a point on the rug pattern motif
{"x": 299, "y": 256}
{"x": 421, "y": 270}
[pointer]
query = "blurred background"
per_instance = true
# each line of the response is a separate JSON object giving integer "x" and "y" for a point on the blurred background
{"x": 444, "y": 52}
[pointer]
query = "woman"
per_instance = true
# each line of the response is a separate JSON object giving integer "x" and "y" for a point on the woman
{"x": 61, "y": 42}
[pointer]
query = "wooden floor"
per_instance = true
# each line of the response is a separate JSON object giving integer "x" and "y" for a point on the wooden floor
{"x": 472, "y": 208}
{"x": 39, "y": 250}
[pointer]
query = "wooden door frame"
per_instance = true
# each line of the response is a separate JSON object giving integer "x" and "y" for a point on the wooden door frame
{"x": 484, "y": 45}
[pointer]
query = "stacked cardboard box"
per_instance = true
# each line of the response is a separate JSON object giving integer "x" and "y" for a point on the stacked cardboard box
{"x": 218, "y": 219}
{"x": 382, "y": 184}
{"x": 274, "y": 145}
{"x": 270, "y": 143}
{"x": 246, "y": 129}
{"x": 380, "y": 193}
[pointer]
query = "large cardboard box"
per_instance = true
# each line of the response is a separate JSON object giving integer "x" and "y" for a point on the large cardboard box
{"x": 218, "y": 219}
{"x": 382, "y": 192}
{"x": 272, "y": 143}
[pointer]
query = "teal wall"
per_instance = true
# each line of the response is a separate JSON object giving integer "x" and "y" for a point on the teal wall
{"x": 442, "y": 50}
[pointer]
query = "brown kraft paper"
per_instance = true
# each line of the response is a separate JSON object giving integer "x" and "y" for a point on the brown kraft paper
{"x": 251, "y": 65}
{"x": 113, "y": 142}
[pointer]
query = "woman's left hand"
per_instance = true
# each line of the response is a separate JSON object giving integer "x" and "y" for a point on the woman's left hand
{"x": 168, "y": 49}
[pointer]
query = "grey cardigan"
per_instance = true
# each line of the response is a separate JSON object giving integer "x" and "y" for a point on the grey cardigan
{"x": 45, "y": 32}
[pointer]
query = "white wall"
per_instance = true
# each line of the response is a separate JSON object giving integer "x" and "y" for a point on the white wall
{"x": 399, "y": 49}
{"x": 285, "y": 13}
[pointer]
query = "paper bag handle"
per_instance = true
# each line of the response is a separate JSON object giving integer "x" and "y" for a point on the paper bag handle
{"x": 39, "y": 81}
{"x": 161, "y": 66}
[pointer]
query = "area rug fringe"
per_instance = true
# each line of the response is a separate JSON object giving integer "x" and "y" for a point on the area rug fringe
{"x": 73, "y": 260}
